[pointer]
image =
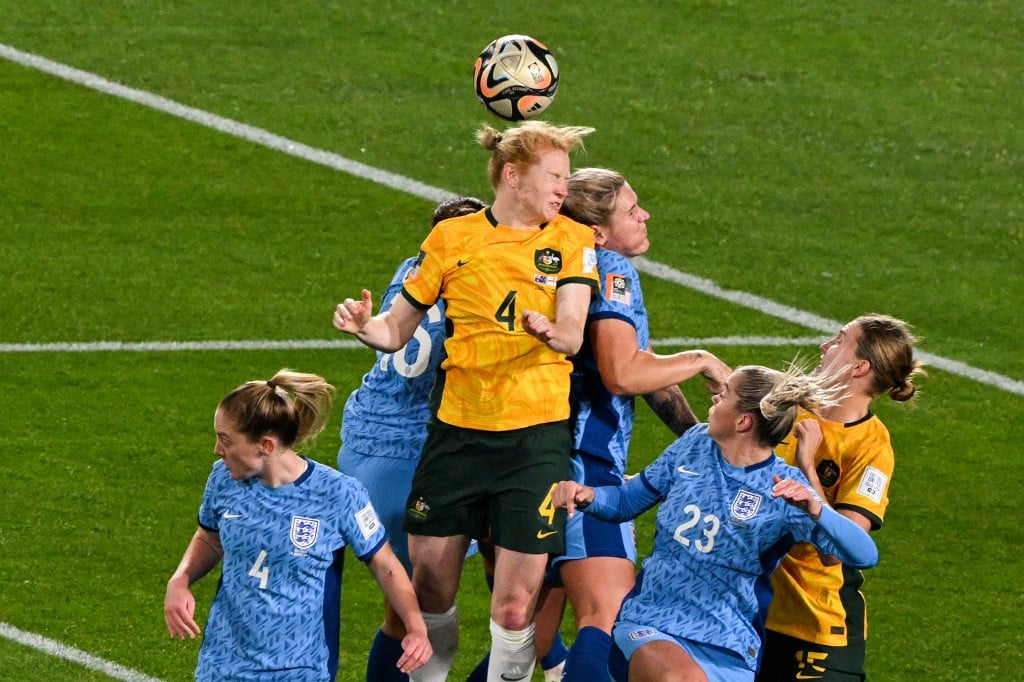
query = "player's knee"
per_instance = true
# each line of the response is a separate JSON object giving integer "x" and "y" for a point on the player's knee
{"x": 512, "y": 614}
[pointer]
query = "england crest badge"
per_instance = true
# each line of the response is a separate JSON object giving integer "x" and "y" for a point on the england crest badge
{"x": 745, "y": 505}
{"x": 304, "y": 531}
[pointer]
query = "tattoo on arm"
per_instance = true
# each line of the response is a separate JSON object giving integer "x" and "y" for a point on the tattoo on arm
{"x": 672, "y": 408}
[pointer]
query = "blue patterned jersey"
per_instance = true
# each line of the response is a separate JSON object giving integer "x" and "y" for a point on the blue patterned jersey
{"x": 718, "y": 536}
{"x": 387, "y": 415}
{"x": 604, "y": 422}
{"x": 276, "y": 613}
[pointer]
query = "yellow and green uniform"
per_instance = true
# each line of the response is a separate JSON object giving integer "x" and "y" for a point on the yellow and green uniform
{"x": 496, "y": 376}
{"x": 822, "y": 604}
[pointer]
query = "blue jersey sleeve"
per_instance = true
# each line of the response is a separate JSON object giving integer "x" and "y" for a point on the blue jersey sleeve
{"x": 616, "y": 504}
{"x": 358, "y": 521}
{"x": 837, "y": 535}
{"x": 640, "y": 493}
{"x": 210, "y": 508}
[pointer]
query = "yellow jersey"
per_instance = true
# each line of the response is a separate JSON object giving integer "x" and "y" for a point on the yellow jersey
{"x": 823, "y": 604}
{"x": 496, "y": 376}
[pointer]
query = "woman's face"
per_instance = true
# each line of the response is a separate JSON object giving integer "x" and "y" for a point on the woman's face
{"x": 626, "y": 232}
{"x": 243, "y": 457}
{"x": 541, "y": 187}
{"x": 841, "y": 350}
{"x": 723, "y": 415}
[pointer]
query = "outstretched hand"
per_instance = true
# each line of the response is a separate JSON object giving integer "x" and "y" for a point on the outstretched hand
{"x": 569, "y": 495}
{"x": 798, "y": 495}
{"x": 351, "y": 316}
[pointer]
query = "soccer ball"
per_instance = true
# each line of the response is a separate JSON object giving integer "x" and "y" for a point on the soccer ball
{"x": 516, "y": 77}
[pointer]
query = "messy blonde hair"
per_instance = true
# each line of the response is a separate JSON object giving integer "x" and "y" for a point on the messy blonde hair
{"x": 772, "y": 397}
{"x": 522, "y": 144}
{"x": 292, "y": 406}
{"x": 592, "y": 195}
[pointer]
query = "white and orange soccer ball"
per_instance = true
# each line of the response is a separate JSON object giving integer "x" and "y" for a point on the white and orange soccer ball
{"x": 516, "y": 77}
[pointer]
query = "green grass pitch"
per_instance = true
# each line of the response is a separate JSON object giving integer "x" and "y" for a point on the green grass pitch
{"x": 837, "y": 158}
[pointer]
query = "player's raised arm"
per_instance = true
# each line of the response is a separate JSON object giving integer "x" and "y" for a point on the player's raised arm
{"x": 387, "y": 331}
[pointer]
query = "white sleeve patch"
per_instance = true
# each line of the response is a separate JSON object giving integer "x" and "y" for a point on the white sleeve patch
{"x": 367, "y": 520}
{"x": 872, "y": 484}
{"x": 589, "y": 259}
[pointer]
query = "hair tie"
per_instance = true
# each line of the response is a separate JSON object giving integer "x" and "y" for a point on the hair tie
{"x": 271, "y": 385}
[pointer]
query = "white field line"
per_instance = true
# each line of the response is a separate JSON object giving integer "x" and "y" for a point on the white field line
{"x": 327, "y": 344}
{"x": 55, "y": 648}
{"x": 929, "y": 359}
{"x": 416, "y": 188}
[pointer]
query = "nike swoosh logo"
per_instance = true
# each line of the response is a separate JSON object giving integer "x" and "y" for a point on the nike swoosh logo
{"x": 462, "y": 262}
{"x": 684, "y": 470}
{"x": 489, "y": 88}
{"x": 228, "y": 515}
{"x": 543, "y": 534}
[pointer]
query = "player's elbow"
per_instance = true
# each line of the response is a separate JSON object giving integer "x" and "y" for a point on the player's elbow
{"x": 568, "y": 344}
{"x": 617, "y": 385}
{"x": 867, "y": 557}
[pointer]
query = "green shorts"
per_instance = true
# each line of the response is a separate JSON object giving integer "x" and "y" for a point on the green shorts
{"x": 491, "y": 483}
{"x": 787, "y": 659}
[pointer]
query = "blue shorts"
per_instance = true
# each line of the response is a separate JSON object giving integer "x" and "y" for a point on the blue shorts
{"x": 388, "y": 480}
{"x": 721, "y": 665}
{"x": 587, "y": 536}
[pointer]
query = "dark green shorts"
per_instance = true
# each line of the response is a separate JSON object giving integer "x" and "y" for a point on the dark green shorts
{"x": 491, "y": 483}
{"x": 787, "y": 659}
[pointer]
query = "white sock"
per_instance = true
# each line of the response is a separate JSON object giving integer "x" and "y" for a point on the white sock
{"x": 443, "y": 632}
{"x": 554, "y": 674}
{"x": 512, "y": 654}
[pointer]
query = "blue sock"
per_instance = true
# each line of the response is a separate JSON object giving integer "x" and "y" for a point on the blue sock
{"x": 588, "y": 656}
{"x": 479, "y": 673}
{"x": 556, "y": 655}
{"x": 382, "y": 663}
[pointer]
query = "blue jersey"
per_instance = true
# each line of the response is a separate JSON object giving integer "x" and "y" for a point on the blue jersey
{"x": 718, "y": 536}
{"x": 276, "y": 613}
{"x": 387, "y": 415}
{"x": 604, "y": 422}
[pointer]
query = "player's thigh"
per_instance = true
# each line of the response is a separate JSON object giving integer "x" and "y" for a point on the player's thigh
{"x": 654, "y": 655}
{"x": 437, "y": 568}
{"x": 664, "y": 661}
{"x": 596, "y": 587}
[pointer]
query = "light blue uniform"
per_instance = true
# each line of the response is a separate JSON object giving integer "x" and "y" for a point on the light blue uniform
{"x": 718, "y": 536}
{"x": 276, "y": 612}
{"x": 604, "y": 422}
{"x": 385, "y": 420}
